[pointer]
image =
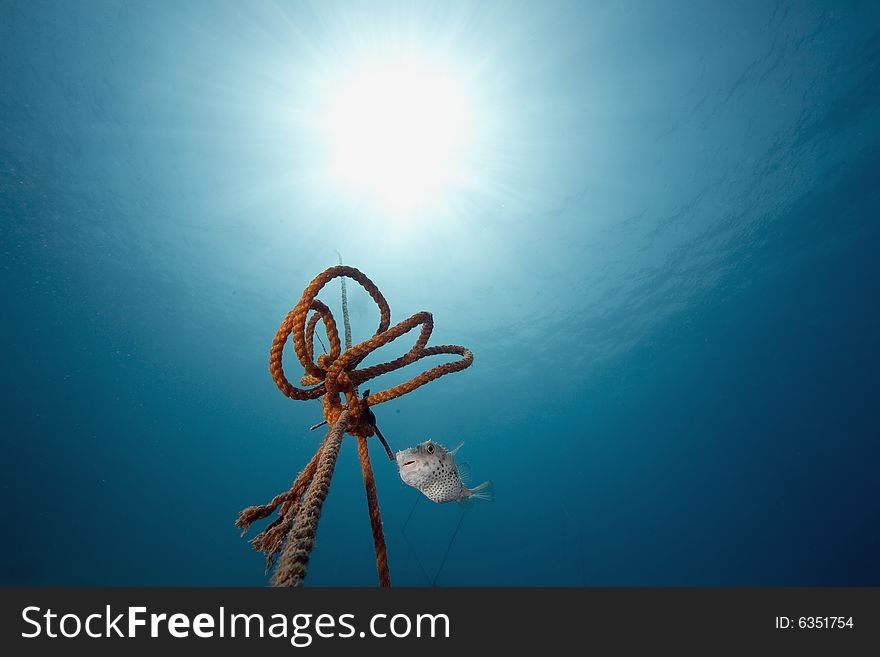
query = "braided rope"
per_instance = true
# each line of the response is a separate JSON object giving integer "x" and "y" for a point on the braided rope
{"x": 334, "y": 375}
{"x": 291, "y": 569}
{"x": 375, "y": 516}
{"x": 345, "y": 321}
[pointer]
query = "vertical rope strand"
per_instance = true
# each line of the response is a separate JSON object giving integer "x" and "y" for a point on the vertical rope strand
{"x": 345, "y": 321}
{"x": 375, "y": 516}
{"x": 294, "y": 559}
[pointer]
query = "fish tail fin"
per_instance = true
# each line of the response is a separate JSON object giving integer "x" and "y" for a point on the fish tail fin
{"x": 485, "y": 491}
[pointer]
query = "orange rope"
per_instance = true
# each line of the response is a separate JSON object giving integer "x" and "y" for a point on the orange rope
{"x": 332, "y": 376}
{"x": 291, "y": 569}
{"x": 375, "y": 517}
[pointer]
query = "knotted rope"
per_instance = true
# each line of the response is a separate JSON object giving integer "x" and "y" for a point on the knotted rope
{"x": 334, "y": 375}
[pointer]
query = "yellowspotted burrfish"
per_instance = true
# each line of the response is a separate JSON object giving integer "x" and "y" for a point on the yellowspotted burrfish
{"x": 431, "y": 469}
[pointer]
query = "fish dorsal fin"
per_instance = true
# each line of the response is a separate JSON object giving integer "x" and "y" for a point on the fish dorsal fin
{"x": 464, "y": 472}
{"x": 455, "y": 449}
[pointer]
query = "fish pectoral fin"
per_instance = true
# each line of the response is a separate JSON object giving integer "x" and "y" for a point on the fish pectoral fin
{"x": 464, "y": 472}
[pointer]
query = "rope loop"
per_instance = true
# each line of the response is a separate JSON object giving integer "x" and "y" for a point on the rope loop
{"x": 335, "y": 373}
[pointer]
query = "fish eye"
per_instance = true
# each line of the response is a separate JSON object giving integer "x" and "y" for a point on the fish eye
{"x": 429, "y": 448}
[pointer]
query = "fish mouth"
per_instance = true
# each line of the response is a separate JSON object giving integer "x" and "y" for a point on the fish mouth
{"x": 408, "y": 463}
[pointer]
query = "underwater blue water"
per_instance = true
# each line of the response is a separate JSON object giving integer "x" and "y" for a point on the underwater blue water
{"x": 665, "y": 264}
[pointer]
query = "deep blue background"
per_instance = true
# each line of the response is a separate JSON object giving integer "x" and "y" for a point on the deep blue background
{"x": 667, "y": 272}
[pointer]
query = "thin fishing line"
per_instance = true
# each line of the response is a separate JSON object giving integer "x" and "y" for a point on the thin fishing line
{"x": 409, "y": 543}
{"x": 449, "y": 547}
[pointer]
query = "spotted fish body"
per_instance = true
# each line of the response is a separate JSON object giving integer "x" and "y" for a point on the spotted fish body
{"x": 431, "y": 469}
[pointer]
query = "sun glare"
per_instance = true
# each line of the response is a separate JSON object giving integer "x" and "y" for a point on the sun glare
{"x": 397, "y": 132}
